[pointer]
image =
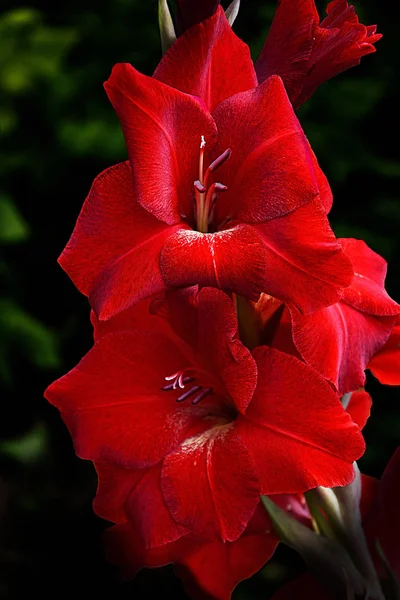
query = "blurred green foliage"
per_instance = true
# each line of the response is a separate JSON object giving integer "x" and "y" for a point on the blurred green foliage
{"x": 57, "y": 132}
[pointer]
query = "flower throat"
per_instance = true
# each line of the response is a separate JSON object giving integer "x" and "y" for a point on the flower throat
{"x": 206, "y": 193}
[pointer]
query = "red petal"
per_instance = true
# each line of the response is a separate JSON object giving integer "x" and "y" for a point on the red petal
{"x": 229, "y": 358}
{"x": 359, "y": 407}
{"x": 339, "y": 341}
{"x": 162, "y": 129}
{"x": 290, "y": 456}
{"x": 190, "y": 13}
{"x": 113, "y": 489}
{"x": 367, "y": 292}
{"x": 270, "y": 171}
{"x": 208, "y": 61}
{"x": 385, "y": 365}
{"x": 325, "y": 192}
{"x": 288, "y": 47}
{"x": 113, "y": 404}
{"x": 232, "y": 260}
{"x": 302, "y": 249}
{"x": 216, "y": 569}
{"x": 136, "y": 317}
{"x": 209, "y": 570}
{"x": 135, "y": 495}
{"x": 112, "y": 235}
{"x": 209, "y": 484}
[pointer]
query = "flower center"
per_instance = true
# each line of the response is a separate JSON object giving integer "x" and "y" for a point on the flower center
{"x": 179, "y": 380}
{"x": 206, "y": 193}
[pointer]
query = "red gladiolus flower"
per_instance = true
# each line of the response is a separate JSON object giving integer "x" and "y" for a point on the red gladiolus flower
{"x": 306, "y": 52}
{"x": 207, "y": 569}
{"x": 218, "y": 424}
{"x": 380, "y": 511}
{"x": 339, "y": 341}
{"x": 216, "y": 200}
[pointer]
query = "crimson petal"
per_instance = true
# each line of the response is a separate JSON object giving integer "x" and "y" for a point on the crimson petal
{"x": 339, "y": 341}
{"x": 162, "y": 129}
{"x": 359, "y": 407}
{"x": 209, "y": 484}
{"x": 385, "y": 365}
{"x": 232, "y": 260}
{"x": 228, "y": 356}
{"x": 302, "y": 249}
{"x": 208, "y": 569}
{"x": 270, "y": 172}
{"x": 113, "y": 253}
{"x": 113, "y": 405}
{"x": 367, "y": 292}
{"x": 210, "y": 61}
{"x": 290, "y": 456}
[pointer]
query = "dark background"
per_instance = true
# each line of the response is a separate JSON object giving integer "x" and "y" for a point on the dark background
{"x": 58, "y": 131}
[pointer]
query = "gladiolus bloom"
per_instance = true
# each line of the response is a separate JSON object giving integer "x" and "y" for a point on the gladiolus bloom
{"x": 306, "y": 52}
{"x": 215, "y": 199}
{"x": 217, "y": 424}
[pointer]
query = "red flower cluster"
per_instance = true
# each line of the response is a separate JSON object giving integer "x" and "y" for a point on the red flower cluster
{"x": 228, "y": 319}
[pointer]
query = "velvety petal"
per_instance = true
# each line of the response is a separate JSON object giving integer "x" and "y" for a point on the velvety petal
{"x": 385, "y": 365}
{"x": 339, "y": 341}
{"x": 208, "y": 569}
{"x": 288, "y": 47}
{"x": 325, "y": 192}
{"x": 359, "y": 407}
{"x": 113, "y": 404}
{"x": 229, "y": 358}
{"x": 232, "y": 260}
{"x": 135, "y": 495}
{"x": 289, "y": 455}
{"x": 191, "y": 12}
{"x": 302, "y": 249}
{"x": 270, "y": 172}
{"x": 138, "y": 316}
{"x": 113, "y": 253}
{"x": 340, "y": 42}
{"x": 113, "y": 488}
{"x": 209, "y": 484}
{"x": 162, "y": 129}
{"x": 216, "y": 568}
{"x": 367, "y": 292}
{"x": 208, "y": 61}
